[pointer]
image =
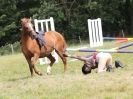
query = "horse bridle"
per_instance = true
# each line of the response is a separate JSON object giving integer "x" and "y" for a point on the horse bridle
{"x": 31, "y": 34}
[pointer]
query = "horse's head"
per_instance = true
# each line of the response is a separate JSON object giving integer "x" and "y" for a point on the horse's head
{"x": 27, "y": 26}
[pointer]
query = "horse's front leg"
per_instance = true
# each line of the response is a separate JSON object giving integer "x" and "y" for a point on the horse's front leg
{"x": 33, "y": 61}
{"x": 30, "y": 65}
{"x": 52, "y": 60}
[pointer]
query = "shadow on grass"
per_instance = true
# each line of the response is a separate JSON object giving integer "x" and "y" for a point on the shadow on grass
{"x": 20, "y": 78}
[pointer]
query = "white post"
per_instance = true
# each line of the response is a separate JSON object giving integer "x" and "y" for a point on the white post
{"x": 52, "y": 24}
{"x": 95, "y": 32}
{"x": 36, "y": 25}
{"x": 12, "y": 48}
{"x": 46, "y": 23}
{"x": 42, "y": 28}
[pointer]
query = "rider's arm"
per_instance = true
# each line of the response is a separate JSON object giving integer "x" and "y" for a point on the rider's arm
{"x": 79, "y": 58}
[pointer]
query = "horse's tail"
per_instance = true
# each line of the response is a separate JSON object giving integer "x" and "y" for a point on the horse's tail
{"x": 64, "y": 46}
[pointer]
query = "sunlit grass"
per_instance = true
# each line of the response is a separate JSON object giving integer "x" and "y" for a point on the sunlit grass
{"x": 16, "y": 83}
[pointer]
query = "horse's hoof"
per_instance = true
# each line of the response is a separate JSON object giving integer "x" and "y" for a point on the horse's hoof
{"x": 39, "y": 73}
{"x": 33, "y": 75}
{"x": 48, "y": 73}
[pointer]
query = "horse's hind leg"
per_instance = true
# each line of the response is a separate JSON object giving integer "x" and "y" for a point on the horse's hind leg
{"x": 52, "y": 60}
{"x": 33, "y": 61}
{"x": 64, "y": 59}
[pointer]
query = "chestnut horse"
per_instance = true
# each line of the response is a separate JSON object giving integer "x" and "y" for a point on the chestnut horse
{"x": 32, "y": 51}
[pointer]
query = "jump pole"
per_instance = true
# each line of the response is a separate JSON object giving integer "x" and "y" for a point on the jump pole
{"x": 123, "y": 46}
{"x": 109, "y": 51}
{"x": 102, "y": 50}
{"x": 119, "y": 40}
{"x": 113, "y": 38}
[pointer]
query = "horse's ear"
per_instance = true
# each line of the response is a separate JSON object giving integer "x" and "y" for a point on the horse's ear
{"x": 21, "y": 20}
{"x": 30, "y": 19}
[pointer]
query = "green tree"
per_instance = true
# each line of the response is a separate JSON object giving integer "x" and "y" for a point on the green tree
{"x": 11, "y": 11}
{"x": 7, "y": 21}
{"x": 128, "y": 13}
{"x": 70, "y": 16}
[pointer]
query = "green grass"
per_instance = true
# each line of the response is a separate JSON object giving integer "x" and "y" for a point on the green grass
{"x": 16, "y": 83}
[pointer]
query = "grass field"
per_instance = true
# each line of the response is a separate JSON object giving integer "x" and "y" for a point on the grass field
{"x": 16, "y": 83}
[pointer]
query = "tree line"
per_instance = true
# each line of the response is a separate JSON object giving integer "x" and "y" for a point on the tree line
{"x": 70, "y": 16}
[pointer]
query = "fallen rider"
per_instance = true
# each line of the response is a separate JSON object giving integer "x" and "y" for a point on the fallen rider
{"x": 101, "y": 61}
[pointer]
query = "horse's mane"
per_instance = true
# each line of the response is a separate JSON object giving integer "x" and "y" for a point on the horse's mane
{"x": 25, "y": 20}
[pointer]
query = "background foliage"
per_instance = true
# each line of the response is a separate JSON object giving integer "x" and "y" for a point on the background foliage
{"x": 70, "y": 16}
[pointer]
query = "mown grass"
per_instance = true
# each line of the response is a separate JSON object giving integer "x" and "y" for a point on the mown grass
{"x": 16, "y": 83}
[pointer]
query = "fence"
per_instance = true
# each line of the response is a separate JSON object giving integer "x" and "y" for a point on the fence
{"x": 10, "y": 49}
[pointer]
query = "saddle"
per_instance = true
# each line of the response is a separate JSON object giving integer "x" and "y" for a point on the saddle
{"x": 40, "y": 39}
